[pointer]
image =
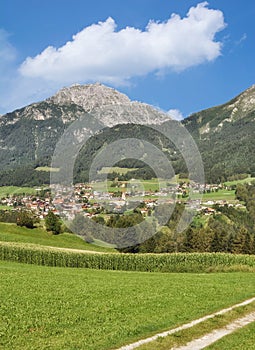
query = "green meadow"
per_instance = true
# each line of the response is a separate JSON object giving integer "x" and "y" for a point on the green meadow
{"x": 243, "y": 181}
{"x": 12, "y": 190}
{"x": 220, "y": 195}
{"x": 64, "y": 308}
{"x": 39, "y": 236}
{"x": 107, "y": 170}
{"x": 47, "y": 169}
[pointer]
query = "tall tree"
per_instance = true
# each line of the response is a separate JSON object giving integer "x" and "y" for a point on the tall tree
{"x": 53, "y": 223}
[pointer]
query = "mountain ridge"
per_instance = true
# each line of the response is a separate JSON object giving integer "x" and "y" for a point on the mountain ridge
{"x": 214, "y": 117}
{"x": 30, "y": 134}
{"x": 224, "y": 133}
{"x": 89, "y": 98}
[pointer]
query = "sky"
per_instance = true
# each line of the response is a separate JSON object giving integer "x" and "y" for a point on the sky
{"x": 180, "y": 56}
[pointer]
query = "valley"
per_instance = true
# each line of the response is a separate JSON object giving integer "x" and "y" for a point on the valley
{"x": 70, "y": 277}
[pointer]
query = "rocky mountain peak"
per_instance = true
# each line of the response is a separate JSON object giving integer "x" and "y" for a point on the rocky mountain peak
{"x": 89, "y": 96}
{"x": 106, "y": 104}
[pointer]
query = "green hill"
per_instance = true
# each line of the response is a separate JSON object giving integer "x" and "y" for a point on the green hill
{"x": 39, "y": 236}
{"x": 224, "y": 135}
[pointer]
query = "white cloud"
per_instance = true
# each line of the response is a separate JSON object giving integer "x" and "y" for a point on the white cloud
{"x": 101, "y": 53}
{"x": 175, "y": 114}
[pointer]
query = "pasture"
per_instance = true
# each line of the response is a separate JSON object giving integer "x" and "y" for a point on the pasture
{"x": 39, "y": 236}
{"x": 59, "y": 308}
{"x": 15, "y": 190}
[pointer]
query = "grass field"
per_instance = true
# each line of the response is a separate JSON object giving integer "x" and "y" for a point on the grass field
{"x": 11, "y": 190}
{"x": 47, "y": 169}
{"x": 242, "y": 339}
{"x": 106, "y": 170}
{"x": 246, "y": 180}
{"x": 183, "y": 337}
{"x": 220, "y": 195}
{"x": 144, "y": 185}
{"x": 67, "y": 309}
{"x": 14, "y": 233}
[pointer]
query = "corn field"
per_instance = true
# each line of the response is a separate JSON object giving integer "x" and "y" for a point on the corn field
{"x": 176, "y": 262}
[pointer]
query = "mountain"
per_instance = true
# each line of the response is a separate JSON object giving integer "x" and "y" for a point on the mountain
{"x": 225, "y": 136}
{"x": 29, "y": 135}
{"x": 107, "y": 105}
{"x": 214, "y": 120}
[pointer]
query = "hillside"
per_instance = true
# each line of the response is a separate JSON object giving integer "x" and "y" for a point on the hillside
{"x": 141, "y": 132}
{"x": 29, "y": 135}
{"x": 224, "y": 134}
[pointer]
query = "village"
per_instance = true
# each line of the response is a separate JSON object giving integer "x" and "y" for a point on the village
{"x": 122, "y": 198}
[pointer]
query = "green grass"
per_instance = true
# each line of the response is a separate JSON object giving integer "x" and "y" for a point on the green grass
{"x": 67, "y": 309}
{"x": 48, "y": 169}
{"x": 14, "y": 233}
{"x": 220, "y": 195}
{"x": 5, "y": 207}
{"x": 106, "y": 170}
{"x": 100, "y": 243}
{"x": 242, "y": 339}
{"x": 246, "y": 180}
{"x": 11, "y": 190}
{"x": 200, "y": 220}
{"x": 104, "y": 186}
{"x": 185, "y": 336}
{"x": 150, "y": 185}
{"x": 146, "y": 185}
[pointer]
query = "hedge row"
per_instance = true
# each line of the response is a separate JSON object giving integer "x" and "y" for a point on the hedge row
{"x": 179, "y": 262}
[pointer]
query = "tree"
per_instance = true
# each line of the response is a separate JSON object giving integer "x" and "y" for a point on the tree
{"x": 26, "y": 219}
{"x": 216, "y": 243}
{"x": 52, "y": 223}
{"x": 188, "y": 243}
{"x": 239, "y": 242}
{"x": 247, "y": 246}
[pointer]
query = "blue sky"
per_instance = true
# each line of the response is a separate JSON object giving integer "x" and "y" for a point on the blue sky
{"x": 200, "y": 57}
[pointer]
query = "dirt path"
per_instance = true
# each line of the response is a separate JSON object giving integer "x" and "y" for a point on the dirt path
{"x": 193, "y": 323}
{"x": 217, "y": 334}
